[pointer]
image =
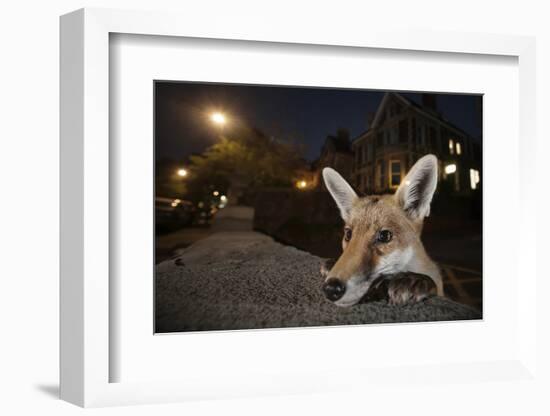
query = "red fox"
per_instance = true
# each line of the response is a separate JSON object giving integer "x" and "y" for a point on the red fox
{"x": 381, "y": 241}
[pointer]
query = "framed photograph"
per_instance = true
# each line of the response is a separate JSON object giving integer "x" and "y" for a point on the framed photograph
{"x": 286, "y": 213}
{"x": 261, "y": 221}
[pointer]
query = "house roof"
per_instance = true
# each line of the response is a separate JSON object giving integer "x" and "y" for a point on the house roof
{"x": 338, "y": 144}
{"x": 422, "y": 110}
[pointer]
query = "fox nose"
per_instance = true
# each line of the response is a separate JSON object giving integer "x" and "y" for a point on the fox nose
{"x": 334, "y": 289}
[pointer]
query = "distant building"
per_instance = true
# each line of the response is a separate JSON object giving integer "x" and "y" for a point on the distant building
{"x": 336, "y": 153}
{"x": 399, "y": 134}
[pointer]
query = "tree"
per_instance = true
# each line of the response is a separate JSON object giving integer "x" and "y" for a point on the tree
{"x": 245, "y": 155}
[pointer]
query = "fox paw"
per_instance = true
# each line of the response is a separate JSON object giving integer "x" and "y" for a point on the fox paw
{"x": 326, "y": 266}
{"x": 408, "y": 288}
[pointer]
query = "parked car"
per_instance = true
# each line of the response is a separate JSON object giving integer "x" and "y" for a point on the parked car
{"x": 173, "y": 213}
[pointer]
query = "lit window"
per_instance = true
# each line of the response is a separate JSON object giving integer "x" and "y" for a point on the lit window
{"x": 474, "y": 178}
{"x": 395, "y": 172}
{"x": 458, "y": 148}
{"x": 451, "y": 146}
{"x": 450, "y": 169}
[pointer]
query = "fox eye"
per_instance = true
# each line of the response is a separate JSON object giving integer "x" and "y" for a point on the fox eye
{"x": 347, "y": 234}
{"x": 384, "y": 236}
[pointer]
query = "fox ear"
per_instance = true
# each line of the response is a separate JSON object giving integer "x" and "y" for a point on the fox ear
{"x": 341, "y": 191}
{"x": 416, "y": 191}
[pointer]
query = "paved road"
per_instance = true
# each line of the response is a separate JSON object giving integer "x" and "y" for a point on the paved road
{"x": 167, "y": 244}
{"x": 232, "y": 218}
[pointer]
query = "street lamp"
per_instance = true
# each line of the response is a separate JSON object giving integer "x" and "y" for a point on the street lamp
{"x": 218, "y": 118}
{"x": 182, "y": 172}
{"x": 301, "y": 184}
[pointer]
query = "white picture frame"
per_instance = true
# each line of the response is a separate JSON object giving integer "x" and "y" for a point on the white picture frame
{"x": 85, "y": 218}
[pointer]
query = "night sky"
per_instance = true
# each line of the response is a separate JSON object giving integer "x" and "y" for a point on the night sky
{"x": 182, "y": 126}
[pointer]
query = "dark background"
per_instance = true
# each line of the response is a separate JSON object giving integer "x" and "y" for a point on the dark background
{"x": 305, "y": 114}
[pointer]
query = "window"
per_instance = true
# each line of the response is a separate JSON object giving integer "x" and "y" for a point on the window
{"x": 403, "y": 131}
{"x": 458, "y": 148}
{"x": 450, "y": 169}
{"x": 369, "y": 152}
{"x": 474, "y": 178}
{"x": 452, "y": 174}
{"x": 395, "y": 171}
{"x": 380, "y": 139}
{"x": 393, "y": 135}
{"x": 451, "y": 147}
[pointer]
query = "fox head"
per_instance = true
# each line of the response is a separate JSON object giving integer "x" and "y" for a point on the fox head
{"x": 381, "y": 233}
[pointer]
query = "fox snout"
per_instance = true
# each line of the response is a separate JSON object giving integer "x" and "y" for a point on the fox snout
{"x": 334, "y": 289}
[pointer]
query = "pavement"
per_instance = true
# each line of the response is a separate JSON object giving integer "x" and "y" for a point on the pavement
{"x": 167, "y": 244}
{"x": 236, "y": 278}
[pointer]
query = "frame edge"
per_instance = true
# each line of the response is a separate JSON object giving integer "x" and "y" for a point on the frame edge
{"x": 71, "y": 219}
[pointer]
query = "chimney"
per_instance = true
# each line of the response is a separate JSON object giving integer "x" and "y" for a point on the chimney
{"x": 429, "y": 101}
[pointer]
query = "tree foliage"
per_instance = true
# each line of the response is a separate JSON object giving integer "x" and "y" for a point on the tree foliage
{"x": 245, "y": 155}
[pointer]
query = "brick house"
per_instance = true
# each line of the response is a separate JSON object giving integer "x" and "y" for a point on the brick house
{"x": 400, "y": 133}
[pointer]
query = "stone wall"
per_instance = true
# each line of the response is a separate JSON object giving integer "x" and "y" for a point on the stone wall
{"x": 307, "y": 220}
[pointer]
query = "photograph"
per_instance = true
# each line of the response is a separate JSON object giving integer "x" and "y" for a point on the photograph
{"x": 290, "y": 207}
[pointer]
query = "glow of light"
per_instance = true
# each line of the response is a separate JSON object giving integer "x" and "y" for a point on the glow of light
{"x": 223, "y": 198}
{"x": 301, "y": 184}
{"x": 215, "y": 193}
{"x": 218, "y": 118}
{"x": 458, "y": 148}
{"x": 451, "y": 146}
{"x": 450, "y": 169}
{"x": 174, "y": 204}
{"x": 201, "y": 204}
{"x": 474, "y": 178}
{"x": 182, "y": 172}
{"x": 177, "y": 201}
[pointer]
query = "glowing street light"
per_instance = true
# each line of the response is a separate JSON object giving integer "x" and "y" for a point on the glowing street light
{"x": 218, "y": 118}
{"x": 301, "y": 184}
{"x": 182, "y": 172}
